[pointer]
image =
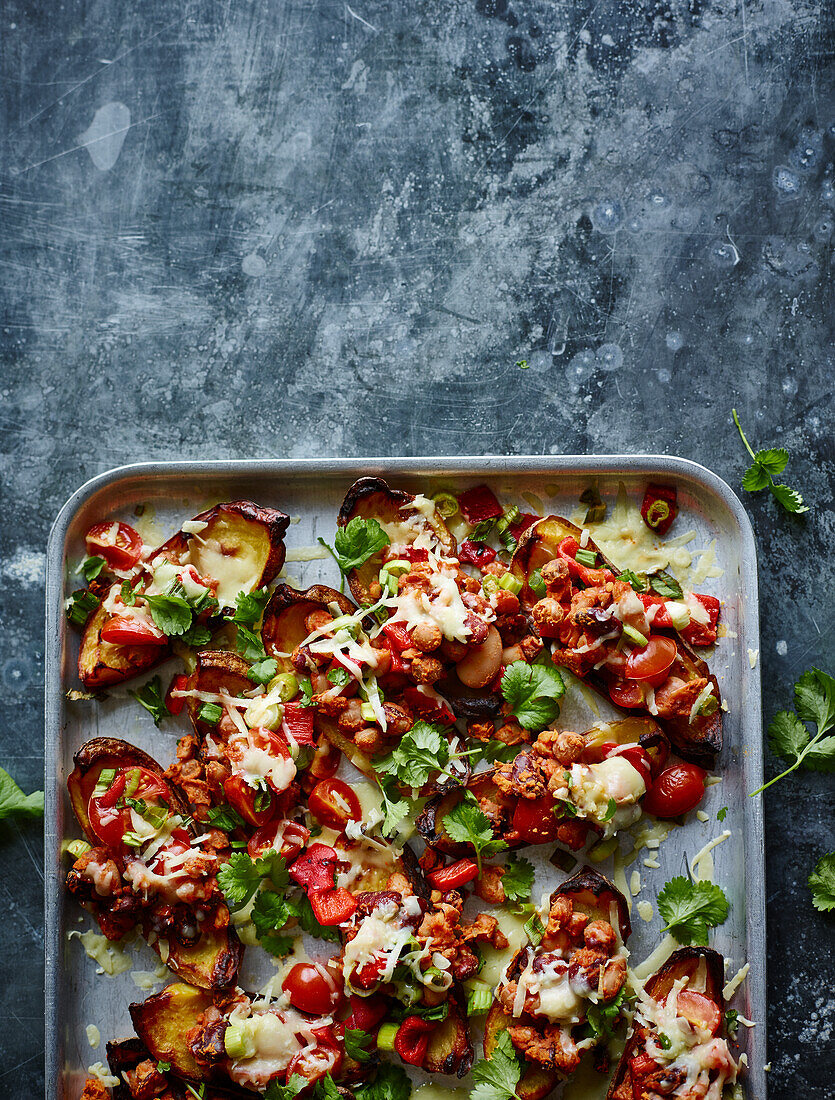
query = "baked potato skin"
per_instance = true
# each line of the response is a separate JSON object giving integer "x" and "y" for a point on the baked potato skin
{"x": 682, "y": 962}
{"x": 211, "y": 963}
{"x": 102, "y": 664}
{"x": 699, "y": 741}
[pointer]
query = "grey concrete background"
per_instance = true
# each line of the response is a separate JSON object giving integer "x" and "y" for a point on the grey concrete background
{"x": 299, "y": 227}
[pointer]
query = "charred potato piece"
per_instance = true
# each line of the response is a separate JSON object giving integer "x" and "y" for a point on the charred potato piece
{"x": 241, "y": 547}
{"x": 101, "y": 663}
{"x": 450, "y": 1049}
{"x": 163, "y": 1021}
{"x": 373, "y": 498}
{"x": 126, "y": 1055}
{"x": 684, "y": 962}
{"x": 217, "y": 670}
{"x": 698, "y": 741}
{"x": 211, "y": 963}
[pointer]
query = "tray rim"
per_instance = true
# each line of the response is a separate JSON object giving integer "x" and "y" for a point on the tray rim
{"x": 474, "y": 465}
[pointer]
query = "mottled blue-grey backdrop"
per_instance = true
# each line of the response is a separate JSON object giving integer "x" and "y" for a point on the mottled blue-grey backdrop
{"x": 303, "y": 227}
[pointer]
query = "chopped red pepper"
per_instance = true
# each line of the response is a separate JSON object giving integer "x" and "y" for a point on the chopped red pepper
{"x": 478, "y": 504}
{"x": 476, "y": 553}
{"x": 522, "y": 523}
{"x": 642, "y": 1065}
{"x": 567, "y": 550}
{"x": 450, "y": 878}
{"x": 173, "y": 703}
{"x": 398, "y": 636}
{"x": 299, "y": 723}
{"x": 427, "y": 708}
{"x": 315, "y": 870}
{"x": 412, "y": 1039}
{"x": 660, "y": 508}
{"x": 332, "y": 907}
{"x": 414, "y": 553}
{"x": 695, "y": 633}
{"x": 368, "y": 975}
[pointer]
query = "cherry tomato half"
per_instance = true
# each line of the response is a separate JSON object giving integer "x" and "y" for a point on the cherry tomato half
{"x": 288, "y": 838}
{"x": 535, "y": 821}
{"x": 676, "y": 790}
{"x": 325, "y": 760}
{"x": 107, "y": 820}
{"x": 122, "y": 630}
{"x": 626, "y": 693}
{"x": 312, "y": 989}
{"x": 317, "y": 1061}
{"x": 653, "y": 662}
{"x": 117, "y": 543}
{"x": 243, "y": 797}
{"x": 333, "y": 803}
{"x": 180, "y": 842}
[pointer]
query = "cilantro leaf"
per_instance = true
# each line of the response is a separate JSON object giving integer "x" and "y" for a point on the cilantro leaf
{"x": 466, "y": 824}
{"x": 356, "y": 1043}
{"x": 171, "y": 614}
{"x": 91, "y": 567}
{"x": 760, "y": 474}
{"x": 308, "y": 923}
{"x": 127, "y": 594}
{"x": 497, "y": 1077}
{"x": 395, "y": 810}
{"x": 603, "y": 1019}
{"x": 198, "y": 634}
{"x": 277, "y": 945}
{"x": 225, "y": 818}
{"x": 822, "y": 883}
{"x": 690, "y": 908}
{"x": 532, "y": 692}
{"x": 339, "y": 676}
{"x": 306, "y": 689}
{"x": 723, "y": 813}
{"x": 814, "y": 696}
{"x": 325, "y": 1089}
{"x": 249, "y": 644}
{"x": 249, "y": 607}
{"x": 390, "y": 1083}
{"x": 150, "y": 697}
{"x": 517, "y": 880}
{"x": 664, "y": 584}
{"x": 14, "y": 801}
{"x": 241, "y": 877}
{"x": 421, "y": 751}
{"x": 263, "y": 671}
{"x": 356, "y": 542}
{"x": 294, "y": 1086}
{"x": 271, "y": 912}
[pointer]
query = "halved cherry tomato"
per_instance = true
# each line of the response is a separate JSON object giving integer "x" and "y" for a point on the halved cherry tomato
{"x": 179, "y": 842}
{"x": 298, "y": 721}
{"x": 637, "y": 758}
{"x": 626, "y": 693}
{"x": 288, "y": 838}
{"x": 653, "y": 662}
{"x": 243, "y": 797}
{"x": 123, "y": 630}
{"x": 478, "y": 504}
{"x": 642, "y": 1065}
{"x": 325, "y": 760}
{"x": 110, "y": 822}
{"x": 311, "y": 989}
{"x": 659, "y": 508}
{"x": 535, "y": 819}
{"x": 366, "y": 1012}
{"x": 117, "y": 543}
{"x": 567, "y": 550}
{"x": 703, "y": 633}
{"x": 676, "y": 790}
{"x": 333, "y": 803}
{"x": 699, "y": 1010}
{"x": 476, "y": 553}
{"x": 317, "y": 1061}
{"x": 332, "y": 907}
{"x": 368, "y": 975}
{"x": 173, "y": 703}
{"x": 414, "y": 553}
{"x": 398, "y": 636}
{"x": 316, "y": 868}
{"x": 458, "y": 873}
{"x": 412, "y": 1039}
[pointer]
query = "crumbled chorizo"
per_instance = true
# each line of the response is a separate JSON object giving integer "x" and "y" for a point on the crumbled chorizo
{"x": 557, "y": 579}
{"x": 145, "y": 1081}
{"x": 94, "y": 1090}
{"x": 427, "y": 636}
{"x": 547, "y": 615}
{"x": 317, "y": 619}
{"x": 484, "y": 929}
{"x": 426, "y": 670}
{"x": 675, "y": 697}
{"x": 489, "y": 886}
{"x": 552, "y": 1047}
{"x": 600, "y": 936}
{"x": 480, "y": 731}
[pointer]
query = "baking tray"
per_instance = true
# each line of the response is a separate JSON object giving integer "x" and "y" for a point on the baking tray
{"x": 310, "y": 491}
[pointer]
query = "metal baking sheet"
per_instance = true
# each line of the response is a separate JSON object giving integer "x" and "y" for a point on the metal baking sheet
{"x": 311, "y": 492}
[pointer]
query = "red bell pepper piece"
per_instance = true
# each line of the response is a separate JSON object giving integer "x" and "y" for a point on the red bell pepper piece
{"x": 567, "y": 550}
{"x": 414, "y": 553}
{"x": 366, "y": 1012}
{"x": 315, "y": 869}
{"x": 299, "y": 723}
{"x": 412, "y": 1039}
{"x": 333, "y": 906}
{"x": 522, "y": 523}
{"x": 173, "y": 703}
{"x": 450, "y": 878}
{"x": 430, "y": 710}
{"x": 478, "y": 504}
{"x": 475, "y": 553}
{"x": 398, "y": 636}
{"x": 703, "y": 633}
{"x": 660, "y": 508}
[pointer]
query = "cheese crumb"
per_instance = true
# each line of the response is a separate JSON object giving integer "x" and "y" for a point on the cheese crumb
{"x": 98, "y": 1071}
{"x": 736, "y": 981}
{"x": 93, "y": 1036}
{"x": 651, "y": 863}
{"x": 702, "y": 816}
{"x": 645, "y": 911}
{"x": 753, "y": 654}
{"x": 635, "y": 883}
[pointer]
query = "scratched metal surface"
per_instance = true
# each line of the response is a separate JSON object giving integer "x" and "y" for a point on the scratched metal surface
{"x": 320, "y": 229}
{"x": 76, "y": 997}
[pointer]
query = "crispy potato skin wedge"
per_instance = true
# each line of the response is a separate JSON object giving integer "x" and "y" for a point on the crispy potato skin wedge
{"x": 450, "y": 1049}
{"x": 591, "y": 893}
{"x": 101, "y": 664}
{"x": 211, "y": 963}
{"x": 126, "y": 1054}
{"x": 217, "y": 669}
{"x": 699, "y": 741}
{"x": 162, "y": 1021}
{"x": 683, "y": 962}
{"x": 373, "y": 498}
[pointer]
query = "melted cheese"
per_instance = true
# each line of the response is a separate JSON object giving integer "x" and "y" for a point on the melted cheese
{"x": 445, "y": 608}
{"x": 109, "y": 954}
{"x": 277, "y": 1036}
{"x": 256, "y": 765}
{"x": 235, "y": 573}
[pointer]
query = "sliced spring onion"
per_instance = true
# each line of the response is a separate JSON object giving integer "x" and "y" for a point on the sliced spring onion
{"x": 398, "y": 567}
{"x": 586, "y": 557}
{"x": 388, "y": 582}
{"x": 445, "y": 504}
{"x": 132, "y": 783}
{"x": 285, "y": 686}
{"x": 77, "y": 848}
{"x": 489, "y": 585}
{"x": 537, "y": 584}
{"x": 534, "y": 929}
{"x": 386, "y": 1036}
{"x": 510, "y": 583}
{"x": 238, "y": 1043}
{"x": 480, "y": 999}
{"x": 635, "y": 636}
{"x": 368, "y": 712}
{"x": 80, "y": 606}
{"x": 133, "y": 840}
{"x": 106, "y": 777}
{"x": 211, "y": 713}
{"x": 602, "y": 850}
{"x": 710, "y": 705}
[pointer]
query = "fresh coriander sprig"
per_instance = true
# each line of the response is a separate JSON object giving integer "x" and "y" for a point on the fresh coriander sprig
{"x": 691, "y": 908}
{"x": 355, "y": 543}
{"x": 466, "y": 824}
{"x": 533, "y": 694}
{"x": 760, "y": 474}
{"x": 496, "y": 1077}
{"x": 822, "y": 883}
{"x": 814, "y": 701}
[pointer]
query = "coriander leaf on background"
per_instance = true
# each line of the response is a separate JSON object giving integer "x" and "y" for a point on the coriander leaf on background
{"x": 517, "y": 880}
{"x": 249, "y": 644}
{"x": 821, "y": 756}
{"x": 773, "y": 460}
{"x": 277, "y": 945}
{"x": 294, "y": 1086}
{"x": 171, "y": 614}
{"x": 691, "y": 908}
{"x": 760, "y": 474}
{"x": 532, "y": 692}
{"x": 788, "y": 737}
{"x": 814, "y": 699}
{"x": 263, "y": 671}
{"x": 150, "y": 697}
{"x": 14, "y": 801}
{"x": 822, "y": 883}
{"x": 791, "y": 500}
{"x": 497, "y": 1077}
